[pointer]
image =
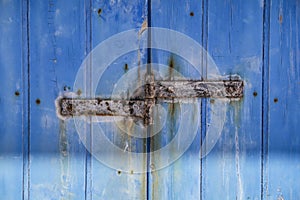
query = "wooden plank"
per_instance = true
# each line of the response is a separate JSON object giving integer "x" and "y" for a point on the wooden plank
{"x": 181, "y": 179}
{"x": 282, "y": 169}
{"x": 232, "y": 170}
{"x": 57, "y": 48}
{"x": 12, "y": 93}
{"x": 109, "y": 18}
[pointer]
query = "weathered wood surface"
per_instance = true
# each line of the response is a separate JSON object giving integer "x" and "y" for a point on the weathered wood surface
{"x": 43, "y": 43}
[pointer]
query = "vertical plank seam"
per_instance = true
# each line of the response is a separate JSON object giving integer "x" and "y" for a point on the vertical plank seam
{"x": 265, "y": 96}
{"x": 204, "y": 40}
{"x": 26, "y": 100}
{"x": 88, "y": 42}
{"x": 148, "y": 140}
{"x": 90, "y": 46}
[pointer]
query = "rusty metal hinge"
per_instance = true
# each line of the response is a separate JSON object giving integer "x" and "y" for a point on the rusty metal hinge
{"x": 139, "y": 106}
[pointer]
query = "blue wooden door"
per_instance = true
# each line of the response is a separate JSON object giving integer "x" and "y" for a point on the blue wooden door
{"x": 43, "y": 45}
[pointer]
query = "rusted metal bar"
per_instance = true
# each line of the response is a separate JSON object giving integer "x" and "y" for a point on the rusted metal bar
{"x": 199, "y": 89}
{"x": 101, "y": 107}
{"x": 153, "y": 92}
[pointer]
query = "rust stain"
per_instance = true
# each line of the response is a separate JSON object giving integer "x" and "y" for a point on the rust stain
{"x": 173, "y": 108}
{"x": 79, "y": 92}
{"x": 144, "y": 177}
{"x": 143, "y": 27}
{"x": 172, "y": 111}
{"x": 139, "y": 68}
{"x": 171, "y": 67}
{"x": 280, "y": 19}
{"x": 155, "y": 184}
{"x": 154, "y": 173}
{"x": 63, "y": 142}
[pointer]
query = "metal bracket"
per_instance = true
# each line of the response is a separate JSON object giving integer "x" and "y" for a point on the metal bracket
{"x": 153, "y": 92}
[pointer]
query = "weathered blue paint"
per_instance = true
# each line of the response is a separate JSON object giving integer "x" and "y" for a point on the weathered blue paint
{"x": 180, "y": 180}
{"x": 282, "y": 163}
{"x": 56, "y": 49}
{"x": 107, "y": 19}
{"x": 12, "y": 93}
{"x": 235, "y": 42}
{"x": 42, "y": 44}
